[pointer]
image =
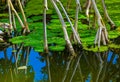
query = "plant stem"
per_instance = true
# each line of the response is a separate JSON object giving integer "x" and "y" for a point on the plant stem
{"x": 44, "y": 27}
{"x": 19, "y": 19}
{"x": 64, "y": 29}
{"x": 24, "y": 17}
{"x": 73, "y": 29}
{"x": 107, "y": 16}
{"x": 102, "y": 29}
{"x": 10, "y": 18}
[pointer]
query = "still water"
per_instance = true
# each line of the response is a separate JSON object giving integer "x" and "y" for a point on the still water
{"x": 32, "y": 66}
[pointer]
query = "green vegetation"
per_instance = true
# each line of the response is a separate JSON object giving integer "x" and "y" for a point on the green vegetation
{"x": 55, "y": 35}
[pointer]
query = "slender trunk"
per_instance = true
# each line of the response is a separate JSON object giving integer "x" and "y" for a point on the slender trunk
{"x": 23, "y": 3}
{"x": 88, "y": 9}
{"x": 19, "y": 19}
{"x": 64, "y": 29}
{"x": 73, "y": 29}
{"x": 76, "y": 19}
{"x": 112, "y": 24}
{"x": 10, "y": 18}
{"x": 44, "y": 27}
{"x": 102, "y": 32}
{"x": 24, "y": 17}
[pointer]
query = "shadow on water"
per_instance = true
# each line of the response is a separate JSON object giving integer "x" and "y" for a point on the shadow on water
{"x": 26, "y": 65}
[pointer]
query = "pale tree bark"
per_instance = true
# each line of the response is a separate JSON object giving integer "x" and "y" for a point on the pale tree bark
{"x": 78, "y": 8}
{"x": 10, "y": 16}
{"x": 112, "y": 24}
{"x": 102, "y": 35}
{"x": 44, "y": 27}
{"x": 13, "y": 9}
{"x": 77, "y": 38}
{"x": 70, "y": 47}
{"x": 88, "y": 9}
{"x": 24, "y": 17}
{"x": 23, "y": 2}
{"x": 10, "y": 19}
{"x": 45, "y": 39}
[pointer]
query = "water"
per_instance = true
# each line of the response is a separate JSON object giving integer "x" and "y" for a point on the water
{"x": 86, "y": 67}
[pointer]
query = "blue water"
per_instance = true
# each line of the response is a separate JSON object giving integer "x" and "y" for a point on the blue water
{"x": 110, "y": 56}
{"x": 36, "y": 64}
{"x": 33, "y": 61}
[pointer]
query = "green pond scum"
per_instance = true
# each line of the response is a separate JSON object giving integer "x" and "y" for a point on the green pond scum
{"x": 55, "y": 35}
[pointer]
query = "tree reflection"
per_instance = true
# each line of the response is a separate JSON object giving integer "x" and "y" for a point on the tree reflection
{"x": 61, "y": 66}
{"x": 8, "y": 67}
{"x": 87, "y": 66}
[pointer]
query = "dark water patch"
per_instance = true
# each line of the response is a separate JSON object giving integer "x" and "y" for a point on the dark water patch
{"x": 58, "y": 66}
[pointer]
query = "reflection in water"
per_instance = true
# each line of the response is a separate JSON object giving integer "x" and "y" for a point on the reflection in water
{"x": 24, "y": 64}
{"x": 8, "y": 72}
{"x": 88, "y": 66}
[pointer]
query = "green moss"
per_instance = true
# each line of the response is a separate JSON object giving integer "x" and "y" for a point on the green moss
{"x": 56, "y": 40}
{"x": 36, "y": 18}
{"x": 54, "y": 17}
{"x": 96, "y": 49}
{"x": 38, "y": 49}
{"x": 56, "y": 21}
{"x": 4, "y": 15}
{"x": 114, "y": 45}
{"x": 113, "y": 34}
{"x": 18, "y": 40}
{"x": 35, "y": 7}
{"x": 57, "y": 48}
{"x": 55, "y": 33}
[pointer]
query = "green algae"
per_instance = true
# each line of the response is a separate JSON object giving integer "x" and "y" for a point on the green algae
{"x": 55, "y": 34}
{"x": 57, "y": 48}
{"x": 96, "y": 49}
